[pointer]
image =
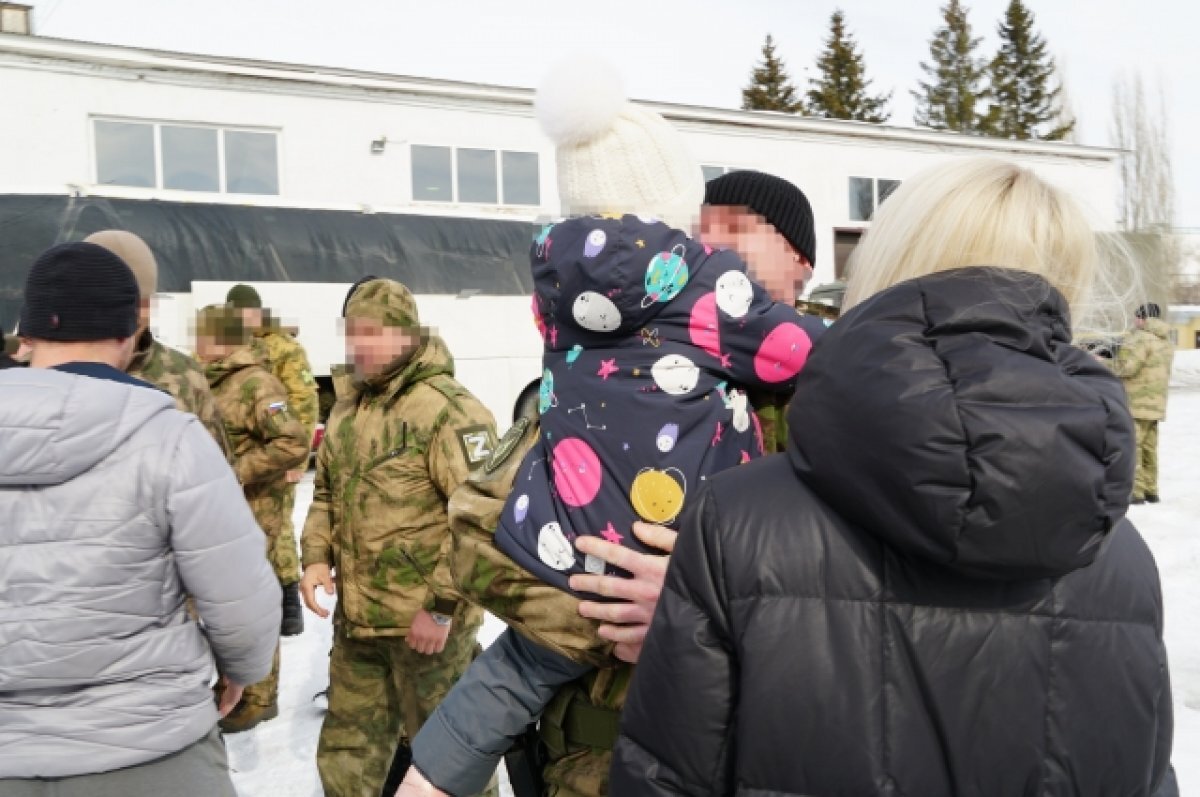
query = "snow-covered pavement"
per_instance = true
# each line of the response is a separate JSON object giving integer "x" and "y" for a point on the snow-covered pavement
{"x": 278, "y": 757}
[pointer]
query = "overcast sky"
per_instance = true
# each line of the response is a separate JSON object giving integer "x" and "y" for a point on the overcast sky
{"x": 689, "y": 51}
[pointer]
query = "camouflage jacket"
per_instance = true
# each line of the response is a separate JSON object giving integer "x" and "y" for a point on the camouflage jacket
{"x": 288, "y": 361}
{"x": 183, "y": 378}
{"x": 1144, "y": 365}
{"x": 484, "y": 575}
{"x": 267, "y": 439}
{"x": 395, "y": 449}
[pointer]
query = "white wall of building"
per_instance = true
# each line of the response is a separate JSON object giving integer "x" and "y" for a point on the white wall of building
{"x": 326, "y": 122}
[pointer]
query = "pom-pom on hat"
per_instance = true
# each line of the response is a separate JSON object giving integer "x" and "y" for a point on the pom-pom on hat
{"x": 613, "y": 156}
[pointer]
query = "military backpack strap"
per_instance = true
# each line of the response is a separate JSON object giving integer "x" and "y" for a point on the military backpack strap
{"x": 572, "y": 721}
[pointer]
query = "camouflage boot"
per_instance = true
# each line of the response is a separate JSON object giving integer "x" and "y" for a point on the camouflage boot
{"x": 293, "y": 615}
{"x": 247, "y": 716}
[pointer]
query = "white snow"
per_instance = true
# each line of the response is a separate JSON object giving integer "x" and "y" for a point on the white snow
{"x": 278, "y": 757}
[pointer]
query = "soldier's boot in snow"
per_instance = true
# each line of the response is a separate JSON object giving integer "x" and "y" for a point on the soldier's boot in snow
{"x": 247, "y": 716}
{"x": 293, "y": 615}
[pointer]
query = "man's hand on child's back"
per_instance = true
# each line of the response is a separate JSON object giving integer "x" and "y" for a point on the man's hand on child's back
{"x": 626, "y": 623}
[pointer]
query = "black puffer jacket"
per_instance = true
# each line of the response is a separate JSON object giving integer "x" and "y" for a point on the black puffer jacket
{"x": 934, "y": 592}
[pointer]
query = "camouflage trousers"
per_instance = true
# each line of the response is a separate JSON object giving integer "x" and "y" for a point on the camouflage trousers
{"x": 1145, "y": 480}
{"x": 282, "y": 550}
{"x": 266, "y": 691}
{"x": 381, "y": 692}
{"x": 580, "y": 774}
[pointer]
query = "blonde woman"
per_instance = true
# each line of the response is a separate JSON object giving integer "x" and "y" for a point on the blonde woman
{"x": 935, "y": 591}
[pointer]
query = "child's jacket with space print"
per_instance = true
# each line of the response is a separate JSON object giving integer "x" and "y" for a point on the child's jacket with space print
{"x": 651, "y": 339}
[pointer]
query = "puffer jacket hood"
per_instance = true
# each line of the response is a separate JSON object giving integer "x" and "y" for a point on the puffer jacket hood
{"x": 590, "y": 277}
{"x": 57, "y": 426}
{"x": 948, "y": 375}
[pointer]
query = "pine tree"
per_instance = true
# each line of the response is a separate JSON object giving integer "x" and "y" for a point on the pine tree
{"x": 1024, "y": 104}
{"x": 841, "y": 91}
{"x": 770, "y": 87}
{"x": 948, "y": 100}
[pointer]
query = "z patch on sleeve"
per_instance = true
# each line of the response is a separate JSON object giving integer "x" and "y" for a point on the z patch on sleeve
{"x": 477, "y": 444}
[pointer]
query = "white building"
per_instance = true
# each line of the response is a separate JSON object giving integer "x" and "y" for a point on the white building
{"x": 84, "y": 121}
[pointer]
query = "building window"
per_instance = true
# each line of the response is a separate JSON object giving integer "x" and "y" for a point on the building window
{"x": 522, "y": 183}
{"x": 867, "y": 194}
{"x": 844, "y": 244}
{"x": 476, "y": 176}
{"x": 432, "y": 174}
{"x": 189, "y": 159}
{"x": 186, "y": 157}
{"x": 125, "y": 154}
{"x": 251, "y": 162}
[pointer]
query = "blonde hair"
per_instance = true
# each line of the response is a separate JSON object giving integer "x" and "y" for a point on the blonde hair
{"x": 986, "y": 212}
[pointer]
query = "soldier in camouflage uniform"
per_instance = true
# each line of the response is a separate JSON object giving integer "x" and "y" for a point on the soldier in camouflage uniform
{"x": 401, "y": 438}
{"x": 1144, "y": 365}
{"x": 167, "y": 369}
{"x": 268, "y": 441}
{"x": 287, "y": 360}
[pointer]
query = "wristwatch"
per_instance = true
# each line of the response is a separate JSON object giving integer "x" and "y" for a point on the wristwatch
{"x": 441, "y": 619}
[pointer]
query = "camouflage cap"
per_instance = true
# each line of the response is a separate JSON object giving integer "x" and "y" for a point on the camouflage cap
{"x": 223, "y": 323}
{"x": 385, "y": 301}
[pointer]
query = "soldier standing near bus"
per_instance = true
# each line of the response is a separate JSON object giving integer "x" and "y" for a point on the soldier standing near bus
{"x": 401, "y": 438}
{"x": 268, "y": 441}
{"x": 288, "y": 362}
{"x": 167, "y": 369}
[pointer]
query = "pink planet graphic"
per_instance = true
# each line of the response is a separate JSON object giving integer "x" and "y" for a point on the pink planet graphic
{"x": 703, "y": 325}
{"x": 537, "y": 318}
{"x": 782, "y": 354}
{"x": 577, "y": 472}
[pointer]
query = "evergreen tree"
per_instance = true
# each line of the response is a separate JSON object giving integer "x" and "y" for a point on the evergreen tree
{"x": 947, "y": 101}
{"x": 770, "y": 87}
{"x": 841, "y": 90}
{"x": 1024, "y": 104}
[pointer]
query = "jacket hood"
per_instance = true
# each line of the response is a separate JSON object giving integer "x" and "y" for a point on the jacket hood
{"x": 58, "y": 425}
{"x": 244, "y": 357}
{"x": 951, "y": 417}
{"x": 609, "y": 275}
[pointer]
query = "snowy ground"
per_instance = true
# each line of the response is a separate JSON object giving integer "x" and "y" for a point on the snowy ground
{"x": 277, "y": 758}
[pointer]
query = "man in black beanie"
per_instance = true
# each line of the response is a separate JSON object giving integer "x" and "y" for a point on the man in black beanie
{"x": 117, "y": 508}
{"x": 768, "y": 221}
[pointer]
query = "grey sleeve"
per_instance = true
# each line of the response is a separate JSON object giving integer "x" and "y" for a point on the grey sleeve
{"x": 503, "y": 691}
{"x": 221, "y": 555}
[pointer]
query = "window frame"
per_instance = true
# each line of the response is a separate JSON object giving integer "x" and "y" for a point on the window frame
{"x": 157, "y": 125}
{"x": 501, "y": 199}
{"x": 875, "y": 200}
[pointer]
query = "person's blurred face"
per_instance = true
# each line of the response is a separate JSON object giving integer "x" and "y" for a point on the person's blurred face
{"x": 771, "y": 260}
{"x": 208, "y": 350}
{"x": 371, "y": 347}
{"x": 252, "y": 317}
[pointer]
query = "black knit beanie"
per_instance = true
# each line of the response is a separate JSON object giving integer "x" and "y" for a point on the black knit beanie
{"x": 79, "y": 292}
{"x": 783, "y": 205}
{"x": 1148, "y": 310}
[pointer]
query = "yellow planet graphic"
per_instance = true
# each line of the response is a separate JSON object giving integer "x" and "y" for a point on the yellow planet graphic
{"x": 657, "y": 496}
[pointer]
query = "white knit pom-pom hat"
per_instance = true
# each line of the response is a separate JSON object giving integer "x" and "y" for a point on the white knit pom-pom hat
{"x": 614, "y": 157}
